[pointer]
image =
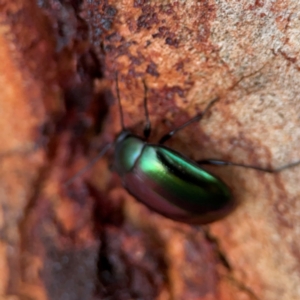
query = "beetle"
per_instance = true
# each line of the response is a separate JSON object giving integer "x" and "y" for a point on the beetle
{"x": 167, "y": 181}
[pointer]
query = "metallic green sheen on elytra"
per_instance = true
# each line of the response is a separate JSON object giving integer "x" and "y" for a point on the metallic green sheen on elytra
{"x": 170, "y": 183}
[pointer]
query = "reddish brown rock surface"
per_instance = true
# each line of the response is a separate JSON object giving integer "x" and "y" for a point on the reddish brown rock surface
{"x": 90, "y": 239}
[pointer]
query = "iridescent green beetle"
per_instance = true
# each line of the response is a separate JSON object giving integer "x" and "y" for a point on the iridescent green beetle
{"x": 170, "y": 183}
{"x": 167, "y": 181}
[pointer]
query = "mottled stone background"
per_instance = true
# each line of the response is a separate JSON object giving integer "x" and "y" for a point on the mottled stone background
{"x": 90, "y": 239}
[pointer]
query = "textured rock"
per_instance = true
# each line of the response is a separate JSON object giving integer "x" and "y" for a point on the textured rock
{"x": 91, "y": 240}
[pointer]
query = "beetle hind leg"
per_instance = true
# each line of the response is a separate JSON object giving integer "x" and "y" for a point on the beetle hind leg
{"x": 217, "y": 162}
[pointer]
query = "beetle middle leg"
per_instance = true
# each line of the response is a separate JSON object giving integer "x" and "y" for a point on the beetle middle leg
{"x": 198, "y": 117}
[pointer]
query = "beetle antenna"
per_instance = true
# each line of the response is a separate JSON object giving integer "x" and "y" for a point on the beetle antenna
{"x": 89, "y": 165}
{"x": 198, "y": 117}
{"x": 119, "y": 103}
{"x": 147, "y": 129}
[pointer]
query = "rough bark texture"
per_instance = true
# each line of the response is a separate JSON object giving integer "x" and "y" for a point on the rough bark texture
{"x": 90, "y": 239}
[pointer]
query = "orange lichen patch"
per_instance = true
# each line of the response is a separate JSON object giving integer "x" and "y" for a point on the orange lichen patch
{"x": 27, "y": 75}
{"x": 26, "y": 90}
{"x": 15, "y": 106}
{"x": 4, "y": 267}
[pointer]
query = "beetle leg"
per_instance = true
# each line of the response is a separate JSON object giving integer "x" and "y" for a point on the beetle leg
{"x": 198, "y": 117}
{"x": 89, "y": 165}
{"x": 216, "y": 162}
